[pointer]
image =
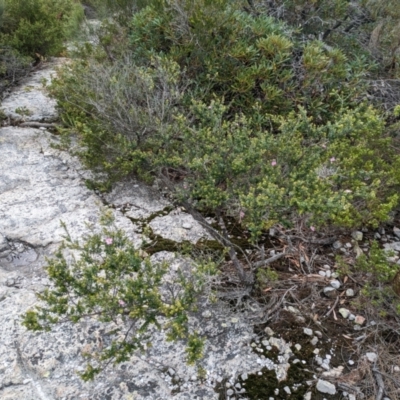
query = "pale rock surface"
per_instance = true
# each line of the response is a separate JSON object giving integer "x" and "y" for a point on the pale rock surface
{"x": 172, "y": 227}
{"x": 32, "y": 97}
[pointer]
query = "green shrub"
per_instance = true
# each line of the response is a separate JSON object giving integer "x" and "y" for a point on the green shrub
{"x": 38, "y": 27}
{"x": 13, "y": 66}
{"x": 244, "y": 118}
{"x": 108, "y": 279}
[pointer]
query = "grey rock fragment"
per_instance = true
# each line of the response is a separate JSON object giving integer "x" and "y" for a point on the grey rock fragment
{"x": 326, "y": 387}
{"x": 287, "y": 390}
{"x": 335, "y": 284}
{"x": 357, "y": 235}
{"x": 371, "y": 357}
{"x": 307, "y": 396}
{"x": 314, "y": 341}
{"x": 337, "y": 245}
{"x": 330, "y": 292}
{"x": 394, "y": 246}
{"x": 269, "y": 331}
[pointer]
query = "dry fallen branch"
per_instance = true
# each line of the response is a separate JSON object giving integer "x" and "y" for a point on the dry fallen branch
{"x": 379, "y": 381}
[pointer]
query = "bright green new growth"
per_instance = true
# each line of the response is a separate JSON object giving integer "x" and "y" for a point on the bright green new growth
{"x": 110, "y": 281}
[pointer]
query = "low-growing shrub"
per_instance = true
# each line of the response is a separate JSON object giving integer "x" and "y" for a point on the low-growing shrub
{"x": 107, "y": 279}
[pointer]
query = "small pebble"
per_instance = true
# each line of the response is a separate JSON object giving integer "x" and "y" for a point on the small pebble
{"x": 287, "y": 390}
{"x": 308, "y": 331}
{"x": 357, "y": 235}
{"x": 335, "y": 284}
{"x": 349, "y": 292}
{"x": 337, "y": 245}
{"x": 359, "y": 320}
{"x": 371, "y": 357}
{"x": 344, "y": 312}
{"x": 330, "y": 292}
{"x": 314, "y": 341}
{"x": 269, "y": 331}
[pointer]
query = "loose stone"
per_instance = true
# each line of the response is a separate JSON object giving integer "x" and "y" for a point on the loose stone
{"x": 287, "y": 390}
{"x": 308, "y": 331}
{"x": 359, "y": 320}
{"x": 269, "y": 331}
{"x": 314, "y": 341}
{"x": 349, "y": 292}
{"x": 337, "y": 245}
{"x": 326, "y": 387}
{"x": 357, "y": 235}
{"x": 371, "y": 357}
{"x": 335, "y": 284}
{"x": 330, "y": 292}
{"x": 396, "y": 231}
{"x": 344, "y": 312}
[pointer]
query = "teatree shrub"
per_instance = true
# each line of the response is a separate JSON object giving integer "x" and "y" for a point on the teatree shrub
{"x": 243, "y": 118}
{"x": 249, "y": 60}
{"x": 107, "y": 279}
{"x": 343, "y": 173}
{"x": 38, "y": 27}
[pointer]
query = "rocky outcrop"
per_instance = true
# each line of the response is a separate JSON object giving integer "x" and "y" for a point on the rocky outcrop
{"x": 41, "y": 186}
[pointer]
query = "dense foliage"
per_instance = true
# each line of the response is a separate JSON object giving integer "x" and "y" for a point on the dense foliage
{"x": 237, "y": 111}
{"x": 33, "y": 29}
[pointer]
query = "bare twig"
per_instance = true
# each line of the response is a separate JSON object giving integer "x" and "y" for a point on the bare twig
{"x": 268, "y": 261}
{"x": 333, "y": 307}
{"x": 379, "y": 381}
